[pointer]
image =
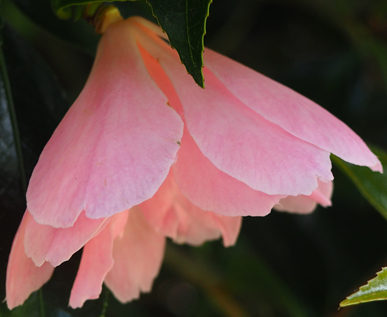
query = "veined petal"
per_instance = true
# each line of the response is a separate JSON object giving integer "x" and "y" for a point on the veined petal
{"x": 306, "y": 204}
{"x": 216, "y": 191}
{"x": 237, "y": 140}
{"x": 114, "y": 147}
{"x": 23, "y": 276}
{"x": 137, "y": 256}
{"x": 44, "y": 243}
{"x": 291, "y": 111}
{"x": 211, "y": 189}
{"x": 170, "y": 213}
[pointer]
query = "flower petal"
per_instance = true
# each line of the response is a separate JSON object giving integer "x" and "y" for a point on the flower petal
{"x": 97, "y": 260}
{"x": 306, "y": 204}
{"x": 291, "y": 111}
{"x": 56, "y": 245}
{"x": 137, "y": 255}
{"x": 23, "y": 276}
{"x": 114, "y": 147}
{"x": 237, "y": 140}
{"x": 217, "y": 191}
{"x": 170, "y": 213}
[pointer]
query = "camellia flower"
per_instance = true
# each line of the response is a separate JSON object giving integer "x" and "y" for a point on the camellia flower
{"x": 145, "y": 154}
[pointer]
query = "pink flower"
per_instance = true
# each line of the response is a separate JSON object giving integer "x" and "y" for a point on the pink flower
{"x": 145, "y": 154}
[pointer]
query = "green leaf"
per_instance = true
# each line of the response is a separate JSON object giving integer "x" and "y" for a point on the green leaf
{"x": 185, "y": 23}
{"x": 376, "y": 289}
{"x": 372, "y": 185}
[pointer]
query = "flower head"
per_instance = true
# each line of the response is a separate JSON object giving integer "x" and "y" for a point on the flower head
{"x": 145, "y": 154}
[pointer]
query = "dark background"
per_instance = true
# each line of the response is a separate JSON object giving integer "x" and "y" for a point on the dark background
{"x": 333, "y": 51}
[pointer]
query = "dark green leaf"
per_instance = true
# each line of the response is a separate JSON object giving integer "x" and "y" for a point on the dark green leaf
{"x": 372, "y": 185}
{"x": 376, "y": 289}
{"x": 185, "y": 23}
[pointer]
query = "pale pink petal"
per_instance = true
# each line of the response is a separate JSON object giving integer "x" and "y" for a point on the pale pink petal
{"x": 56, "y": 245}
{"x": 211, "y": 189}
{"x": 306, "y": 204}
{"x": 118, "y": 223}
{"x": 229, "y": 226}
{"x": 216, "y": 191}
{"x": 291, "y": 111}
{"x": 237, "y": 140}
{"x": 114, "y": 147}
{"x": 137, "y": 256}
{"x": 97, "y": 260}
{"x": 170, "y": 213}
{"x": 23, "y": 276}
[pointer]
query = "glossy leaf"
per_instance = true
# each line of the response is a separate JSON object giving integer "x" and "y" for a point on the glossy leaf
{"x": 372, "y": 185}
{"x": 376, "y": 289}
{"x": 185, "y": 23}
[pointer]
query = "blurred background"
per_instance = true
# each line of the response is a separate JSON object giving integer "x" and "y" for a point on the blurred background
{"x": 332, "y": 51}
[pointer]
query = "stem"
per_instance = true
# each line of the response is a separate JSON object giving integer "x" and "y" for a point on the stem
{"x": 41, "y": 302}
{"x": 105, "y": 302}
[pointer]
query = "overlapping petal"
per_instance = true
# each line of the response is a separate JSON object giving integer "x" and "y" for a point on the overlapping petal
{"x": 257, "y": 152}
{"x": 306, "y": 204}
{"x": 137, "y": 255}
{"x": 170, "y": 213}
{"x": 23, "y": 276}
{"x": 291, "y": 111}
{"x": 211, "y": 189}
{"x": 44, "y": 243}
{"x": 118, "y": 130}
{"x": 97, "y": 261}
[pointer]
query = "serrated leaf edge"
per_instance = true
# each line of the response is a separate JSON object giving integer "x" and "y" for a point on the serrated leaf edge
{"x": 200, "y": 84}
{"x": 349, "y": 299}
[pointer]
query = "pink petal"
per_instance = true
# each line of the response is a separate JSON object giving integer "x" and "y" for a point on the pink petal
{"x": 23, "y": 277}
{"x": 137, "y": 255}
{"x": 97, "y": 260}
{"x": 115, "y": 145}
{"x": 56, "y": 245}
{"x": 306, "y": 204}
{"x": 237, "y": 140}
{"x": 217, "y": 191}
{"x": 177, "y": 217}
{"x": 170, "y": 213}
{"x": 291, "y": 111}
